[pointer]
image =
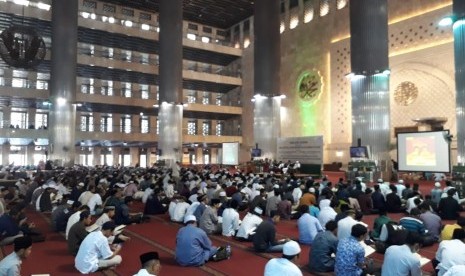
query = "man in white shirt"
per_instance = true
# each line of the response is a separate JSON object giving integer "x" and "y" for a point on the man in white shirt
{"x": 400, "y": 187}
{"x": 148, "y": 192}
{"x": 286, "y": 264}
{"x": 230, "y": 220}
{"x": 327, "y": 213}
{"x": 180, "y": 210}
{"x": 85, "y": 196}
{"x": 150, "y": 264}
{"x": 95, "y": 252}
{"x": 402, "y": 259}
{"x": 249, "y": 224}
{"x": 451, "y": 252}
{"x": 95, "y": 202}
{"x": 344, "y": 226}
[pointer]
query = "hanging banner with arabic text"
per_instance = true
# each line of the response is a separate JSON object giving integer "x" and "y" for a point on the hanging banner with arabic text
{"x": 306, "y": 150}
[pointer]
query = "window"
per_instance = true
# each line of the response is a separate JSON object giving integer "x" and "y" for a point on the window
{"x": 19, "y": 82}
{"x": 308, "y": 12}
{"x": 143, "y": 160}
{"x": 127, "y": 90}
{"x": 41, "y": 120}
{"x": 158, "y": 127}
{"x": 42, "y": 84}
{"x": 192, "y": 128}
{"x": 219, "y": 128}
{"x": 206, "y": 98}
{"x": 340, "y": 4}
{"x": 144, "y": 125}
{"x": 324, "y": 7}
{"x": 144, "y": 91}
{"x": 87, "y": 122}
{"x": 206, "y": 128}
{"x": 219, "y": 100}
{"x": 192, "y": 98}
{"x": 106, "y": 124}
{"x": 1, "y": 119}
{"x": 126, "y": 124}
{"x": 18, "y": 119}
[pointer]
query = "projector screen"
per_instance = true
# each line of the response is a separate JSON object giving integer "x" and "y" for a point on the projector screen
{"x": 230, "y": 153}
{"x": 423, "y": 151}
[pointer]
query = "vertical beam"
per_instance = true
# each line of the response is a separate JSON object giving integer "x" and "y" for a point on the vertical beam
{"x": 370, "y": 87}
{"x": 171, "y": 110}
{"x": 459, "y": 50}
{"x": 267, "y": 63}
{"x": 63, "y": 81}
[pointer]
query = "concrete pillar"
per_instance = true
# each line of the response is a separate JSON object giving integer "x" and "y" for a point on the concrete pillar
{"x": 267, "y": 63}
{"x": 30, "y": 150}
{"x": 459, "y": 49}
{"x": 97, "y": 155}
{"x": 134, "y": 152}
{"x": 370, "y": 81}
{"x": 63, "y": 81}
{"x": 171, "y": 111}
{"x": 31, "y": 117}
{"x": 6, "y": 153}
{"x": 6, "y": 117}
{"x": 116, "y": 154}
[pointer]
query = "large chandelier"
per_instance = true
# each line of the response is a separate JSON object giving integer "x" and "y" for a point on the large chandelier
{"x": 21, "y": 46}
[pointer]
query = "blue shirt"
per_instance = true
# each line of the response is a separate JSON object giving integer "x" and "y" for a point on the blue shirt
{"x": 314, "y": 211}
{"x": 8, "y": 227}
{"x": 324, "y": 245}
{"x": 308, "y": 226}
{"x": 193, "y": 247}
{"x": 413, "y": 225}
{"x": 349, "y": 255}
{"x": 399, "y": 260}
{"x": 10, "y": 265}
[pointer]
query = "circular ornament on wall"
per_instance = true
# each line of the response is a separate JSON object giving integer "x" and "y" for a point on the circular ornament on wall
{"x": 309, "y": 86}
{"x": 406, "y": 93}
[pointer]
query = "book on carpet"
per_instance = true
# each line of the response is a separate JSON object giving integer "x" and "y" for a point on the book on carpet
{"x": 422, "y": 259}
{"x": 368, "y": 249}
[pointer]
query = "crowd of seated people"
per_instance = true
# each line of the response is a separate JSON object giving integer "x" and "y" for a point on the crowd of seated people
{"x": 88, "y": 204}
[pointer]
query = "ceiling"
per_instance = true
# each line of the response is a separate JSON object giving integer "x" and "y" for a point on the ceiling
{"x": 216, "y": 13}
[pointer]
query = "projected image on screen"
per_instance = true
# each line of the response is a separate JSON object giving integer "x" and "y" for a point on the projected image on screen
{"x": 423, "y": 151}
{"x": 420, "y": 151}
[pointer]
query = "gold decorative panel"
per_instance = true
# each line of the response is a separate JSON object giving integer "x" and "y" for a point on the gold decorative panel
{"x": 406, "y": 93}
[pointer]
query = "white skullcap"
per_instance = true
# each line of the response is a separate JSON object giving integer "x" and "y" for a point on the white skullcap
{"x": 291, "y": 248}
{"x": 222, "y": 193}
{"x": 258, "y": 210}
{"x": 276, "y": 186}
{"x": 401, "y": 181}
{"x": 311, "y": 190}
{"x": 81, "y": 184}
{"x": 437, "y": 184}
{"x": 380, "y": 180}
{"x": 121, "y": 185}
{"x": 189, "y": 218}
{"x": 70, "y": 202}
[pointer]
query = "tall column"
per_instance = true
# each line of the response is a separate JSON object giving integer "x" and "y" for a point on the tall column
{"x": 63, "y": 81}
{"x": 170, "y": 112}
{"x": 370, "y": 81}
{"x": 267, "y": 64}
{"x": 459, "y": 47}
{"x": 97, "y": 156}
{"x": 134, "y": 153}
{"x": 6, "y": 153}
{"x": 30, "y": 151}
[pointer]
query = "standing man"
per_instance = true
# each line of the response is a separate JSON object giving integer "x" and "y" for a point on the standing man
{"x": 95, "y": 252}
{"x": 11, "y": 264}
{"x": 286, "y": 264}
{"x": 150, "y": 264}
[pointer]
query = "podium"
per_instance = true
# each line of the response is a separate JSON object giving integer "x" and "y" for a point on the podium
{"x": 363, "y": 168}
